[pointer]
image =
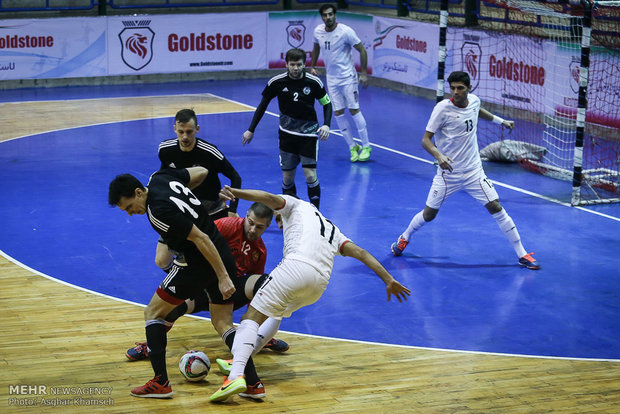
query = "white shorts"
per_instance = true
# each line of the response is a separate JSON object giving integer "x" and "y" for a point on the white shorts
{"x": 290, "y": 286}
{"x": 474, "y": 182}
{"x": 344, "y": 96}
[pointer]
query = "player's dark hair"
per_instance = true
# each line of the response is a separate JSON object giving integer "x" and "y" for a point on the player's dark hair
{"x": 123, "y": 185}
{"x": 459, "y": 76}
{"x": 185, "y": 115}
{"x": 295, "y": 54}
{"x": 324, "y": 8}
{"x": 260, "y": 210}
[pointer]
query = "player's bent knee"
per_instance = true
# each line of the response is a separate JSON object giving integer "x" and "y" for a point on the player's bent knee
{"x": 429, "y": 214}
{"x": 494, "y": 206}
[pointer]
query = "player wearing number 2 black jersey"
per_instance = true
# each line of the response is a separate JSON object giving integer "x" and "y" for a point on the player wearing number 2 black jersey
{"x": 299, "y": 129}
{"x": 311, "y": 242}
{"x": 453, "y": 124}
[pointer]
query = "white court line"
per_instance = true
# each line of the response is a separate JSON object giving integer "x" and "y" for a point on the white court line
{"x": 62, "y": 282}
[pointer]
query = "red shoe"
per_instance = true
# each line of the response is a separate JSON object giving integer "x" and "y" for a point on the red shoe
{"x": 256, "y": 391}
{"x": 138, "y": 352}
{"x": 153, "y": 389}
{"x": 399, "y": 246}
{"x": 529, "y": 262}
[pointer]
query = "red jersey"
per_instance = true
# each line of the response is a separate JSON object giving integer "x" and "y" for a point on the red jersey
{"x": 250, "y": 256}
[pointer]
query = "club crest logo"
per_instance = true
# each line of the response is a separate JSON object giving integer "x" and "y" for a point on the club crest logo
{"x": 295, "y": 33}
{"x": 136, "y": 43}
{"x": 471, "y": 55}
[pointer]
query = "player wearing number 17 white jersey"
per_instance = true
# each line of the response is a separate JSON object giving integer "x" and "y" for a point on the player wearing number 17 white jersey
{"x": 309, "y": 237}
{"x": 310, "y": 243}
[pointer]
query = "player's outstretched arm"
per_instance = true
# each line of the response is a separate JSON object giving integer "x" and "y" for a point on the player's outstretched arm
{"x": 392, "y": 286}
{"x": 484, "y": 114}
{"x": 272, "y": 201}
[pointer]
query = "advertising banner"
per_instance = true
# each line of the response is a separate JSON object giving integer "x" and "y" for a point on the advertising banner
{"x": 507, "y": 70}
{"x": 289, "y": 30}
{"x": 52, "y": 48}
{"x": 406, "y": 51}
{"x": 186, "y": 43}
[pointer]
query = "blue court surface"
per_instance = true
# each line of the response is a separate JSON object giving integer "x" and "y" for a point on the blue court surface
{"x": 468, "y": 292}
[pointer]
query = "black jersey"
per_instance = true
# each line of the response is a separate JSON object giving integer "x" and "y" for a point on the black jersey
{"x": 204, "y": 154}
{"x": 173, "y": 209}
{"x": 296, "y": 101}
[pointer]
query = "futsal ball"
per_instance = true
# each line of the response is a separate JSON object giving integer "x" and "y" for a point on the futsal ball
{"x": 194, "y": 365}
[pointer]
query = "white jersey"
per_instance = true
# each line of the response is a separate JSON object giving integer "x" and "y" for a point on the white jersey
{"x": 455, "y": 133}
{"x": 336, "y": 50}
{"x": 308, "y": 236}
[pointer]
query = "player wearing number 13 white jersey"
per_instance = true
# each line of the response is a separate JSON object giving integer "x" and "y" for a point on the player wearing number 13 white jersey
{"x": 453, "y": 125}
{"x": 310, "y": 243}
{"x": 454, "y": 130}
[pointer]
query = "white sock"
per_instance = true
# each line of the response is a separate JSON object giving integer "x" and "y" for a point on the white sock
{"x": 506, "y": 224}
{"x": 266, "y": 331}
{"x": 360, "y": 123}
{"x": 242, "y": 348}
{"x": 345, "y": 129}
{"x": 414, "y": 225}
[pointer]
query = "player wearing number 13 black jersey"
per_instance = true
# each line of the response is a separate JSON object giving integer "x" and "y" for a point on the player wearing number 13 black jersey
{"x": 299, "y": 128}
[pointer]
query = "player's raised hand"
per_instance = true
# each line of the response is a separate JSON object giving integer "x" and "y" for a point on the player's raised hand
{"x": 395, "y": 288}
{"x": 323, "y": 133}
{"x": 509, "y": 124}
{"x": 247, "y": 137}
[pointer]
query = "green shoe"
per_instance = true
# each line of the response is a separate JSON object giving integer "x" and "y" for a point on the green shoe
{"x": 354, "y": 152}
{"x": 225, "y": 365}
{"x": 228, "y": 389}
{"x": 365, "y": 154}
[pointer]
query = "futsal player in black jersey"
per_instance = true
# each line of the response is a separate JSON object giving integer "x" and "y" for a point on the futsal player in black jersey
{"x": 186, "y": 150}
{"x": 299, "y": 129}
{"x": 184, "y": 224}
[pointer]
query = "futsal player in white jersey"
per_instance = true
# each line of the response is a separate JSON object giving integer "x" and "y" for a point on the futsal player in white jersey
{"x": 453, "y": 124}
{"x": 336, "y": 41}
{"x": 310, "y": 244}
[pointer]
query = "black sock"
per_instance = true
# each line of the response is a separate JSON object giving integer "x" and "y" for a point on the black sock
{"x": 156, "y": 338}
{"x": 251, "y": 377}
{"x": 292, "y": 191}
{"x": 177, "y": 312}
{"x": 314, "y": 194}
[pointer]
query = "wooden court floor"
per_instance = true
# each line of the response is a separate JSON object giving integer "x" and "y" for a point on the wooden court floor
{"x": 60, "y": 338}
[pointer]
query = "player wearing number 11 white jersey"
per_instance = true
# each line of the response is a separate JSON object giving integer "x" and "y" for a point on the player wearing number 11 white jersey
{"x": 453, "y": 125}
{"x": 311, "y": 242}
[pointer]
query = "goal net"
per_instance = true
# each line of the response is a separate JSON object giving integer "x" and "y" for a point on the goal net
{"x": 531, "y": 64}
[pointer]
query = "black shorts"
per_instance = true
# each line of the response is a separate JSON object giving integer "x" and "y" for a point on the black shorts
{"x": 304, "y": 146}
{"x": 186, "y": 282}
{"x": 201, "y": 301}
